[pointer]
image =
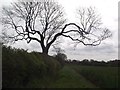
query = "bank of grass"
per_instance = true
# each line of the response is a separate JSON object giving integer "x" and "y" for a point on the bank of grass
{"x": 21, "y": 69}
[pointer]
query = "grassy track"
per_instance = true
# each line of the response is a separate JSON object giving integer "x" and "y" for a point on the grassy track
{"x": 69, "y": 78}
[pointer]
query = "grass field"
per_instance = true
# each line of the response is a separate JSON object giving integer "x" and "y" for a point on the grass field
{"x": 103, "y": 77}
{"x": 76, "y": 76}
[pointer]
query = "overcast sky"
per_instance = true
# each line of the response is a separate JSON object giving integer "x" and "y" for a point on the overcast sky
{"x": 108, "y": 50}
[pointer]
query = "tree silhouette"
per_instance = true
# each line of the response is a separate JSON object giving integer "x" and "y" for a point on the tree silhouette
{"x": 44, "y": 22}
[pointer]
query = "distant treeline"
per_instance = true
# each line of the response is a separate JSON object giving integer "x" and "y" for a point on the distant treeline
{"x": 62, "y": 58}
{"x": 114, "y": 63}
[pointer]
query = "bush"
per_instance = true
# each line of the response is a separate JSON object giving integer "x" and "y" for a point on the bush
{"x": 61, "y": 57}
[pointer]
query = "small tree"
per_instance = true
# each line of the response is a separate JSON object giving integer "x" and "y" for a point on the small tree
{"x": 60, "y": 56}
{"x": 44, "y": 22}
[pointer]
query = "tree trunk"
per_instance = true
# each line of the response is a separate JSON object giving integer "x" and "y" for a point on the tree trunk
{"x": 45, "y": 50}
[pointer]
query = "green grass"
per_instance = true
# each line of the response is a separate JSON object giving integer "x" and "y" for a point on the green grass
{"x": 69, "y": 78}
{"x": 104, "y": 77}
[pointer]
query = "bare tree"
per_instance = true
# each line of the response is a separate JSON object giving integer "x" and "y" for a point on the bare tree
{"x": 44, "y": 22}
{"x": 39, "y": 21}
{"x": 89, "y": 30}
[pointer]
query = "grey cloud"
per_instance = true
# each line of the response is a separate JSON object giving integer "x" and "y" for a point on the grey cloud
{"x": 35, "y": 45}
{"x": 103, "y": 52}
{"x": 90, "y": 49}
{"x": 101, "y": 49}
